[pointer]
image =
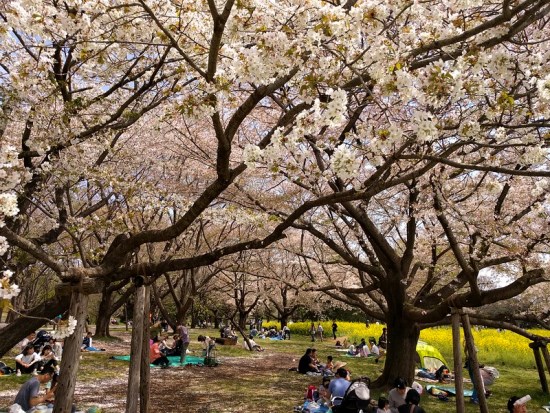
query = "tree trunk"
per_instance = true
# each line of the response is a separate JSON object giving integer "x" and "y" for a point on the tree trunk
{"x": 71, "y": 355}
{"x": 403, "y": 336}
{"x": 457, "y": 356}
{"x": 284, "y": 320}
{"x": 145, "y": 370}
{"x": 21, "y": 327}
{"x": 104, "y": 314}
{"x": 243, "y": 315}
{"x": 136, "y": 351}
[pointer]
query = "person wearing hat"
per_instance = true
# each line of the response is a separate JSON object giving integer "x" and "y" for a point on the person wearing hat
{"x": 339, "y": 365}
{"x": 338, "y": 386}
{"x": 396, "y": 396}
{"x": 412, "y": 401}
{"x": 517, "y": 404}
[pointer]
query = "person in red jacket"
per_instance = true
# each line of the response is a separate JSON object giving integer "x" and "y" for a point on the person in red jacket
{"x": 155, "y": 356}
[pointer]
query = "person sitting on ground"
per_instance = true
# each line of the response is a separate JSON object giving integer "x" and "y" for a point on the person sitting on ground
{"x": 253, "y": 346}
{"x": 207, "y": 345}
{"x": 412, "y": 401}
{"x": 87, "y": 343}
{"x": 306, "y": 365}
{"x": 324, "y": 393}
{"x": 27, "y": 361}
{"x": 363, "y": 349}
{"x": 515, "y": 404}
{"x": 374, "y": 350}
{"x": 338, "y": 386}
{"x": 383, "y": 405}
{"x": 253, "y": 332}
{"x": 155, "y": 356}
{"x": 396, "y": 396}
{"x": 57, "y": 348}
{"x": 330, "y": 364}
{"x": 28, "y": 397}
{"x": 314, "y": 358}
{"x": 47, "y": 358}
{"x": 352, "y": 350}
{"x": 27, "y": 340}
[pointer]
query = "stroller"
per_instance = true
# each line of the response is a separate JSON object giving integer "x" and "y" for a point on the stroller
{"x": 42, "y": 337}
{"x": 356, "y": 399}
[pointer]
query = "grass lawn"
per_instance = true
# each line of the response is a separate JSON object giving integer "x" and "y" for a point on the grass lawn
{"x": 248, "y": 382}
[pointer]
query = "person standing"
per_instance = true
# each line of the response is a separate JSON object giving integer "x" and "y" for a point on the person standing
{"x": 312, "y": 331}
{"x": 383, "y": 340}
{"x": 183, "y": 333}
{"x": 286, "y": 333}
{"x": 320, "y": 331}
{"x": 334, "y": 329}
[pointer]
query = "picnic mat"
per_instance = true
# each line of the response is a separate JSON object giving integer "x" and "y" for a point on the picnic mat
{"x": 449, "y": 390}
{"x": 312, "y": 407}
{"x": 174, "y": 360}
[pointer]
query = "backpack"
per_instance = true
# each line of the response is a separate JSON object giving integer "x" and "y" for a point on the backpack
{"x": 5, "y": 370}
{"x": 357, "y": 397}
{"x": 310, "y": 392}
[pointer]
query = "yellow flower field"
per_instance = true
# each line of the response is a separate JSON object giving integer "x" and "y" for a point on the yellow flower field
{"x": 494, "y": 347}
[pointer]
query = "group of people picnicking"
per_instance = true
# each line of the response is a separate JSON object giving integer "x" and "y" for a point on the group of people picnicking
{"x": 40, "y": 356}
{"x": 41, "y": 353}
{"x": 336, "y": 380}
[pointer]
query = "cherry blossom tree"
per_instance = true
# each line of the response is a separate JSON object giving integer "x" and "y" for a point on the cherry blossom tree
{"x": 447, "y": 140}
{"x": 377, "y": 129}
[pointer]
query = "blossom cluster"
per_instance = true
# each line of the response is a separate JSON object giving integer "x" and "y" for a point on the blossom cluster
{"x": 65, "y": 328}
{"x": 7, "y": 289}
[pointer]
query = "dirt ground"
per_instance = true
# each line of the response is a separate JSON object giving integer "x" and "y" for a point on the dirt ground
{"x": 238, "y": 384}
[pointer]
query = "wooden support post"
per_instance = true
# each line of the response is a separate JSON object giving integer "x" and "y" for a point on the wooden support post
{"x": 71, "y": 355}
{"x": 135, "y": 351}
{"x": 145, "y": 370}
{"x": 474, "y": 365}
{"x": 544, "y": 349}
{"x": 540, "y": 367}
{"x": 457, "y": 356}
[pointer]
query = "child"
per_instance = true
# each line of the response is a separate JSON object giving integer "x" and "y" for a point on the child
{"x": 324, "y": 394}
{"x": 383, "y": 405}
{"x": 330, "y": 364}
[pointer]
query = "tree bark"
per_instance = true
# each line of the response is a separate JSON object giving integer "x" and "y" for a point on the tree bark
{"x": 71, "y": 355}
{"x": 136, "y": 351}
{"x": 104, "y": 314}
{"x": 540, "y": 366}
{"x": 457, "y": 356}
{"x": 472, "y": 352}
{"x": 145, "y": 370}
{"x": 403, "y": 337}
{"x": 21, "y": 327}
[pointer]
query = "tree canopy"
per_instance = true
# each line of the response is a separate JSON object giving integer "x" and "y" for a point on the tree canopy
{"x": 402, "y": 147}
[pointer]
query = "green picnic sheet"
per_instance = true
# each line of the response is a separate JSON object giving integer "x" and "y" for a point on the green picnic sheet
{"x": 174, "y": 360}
